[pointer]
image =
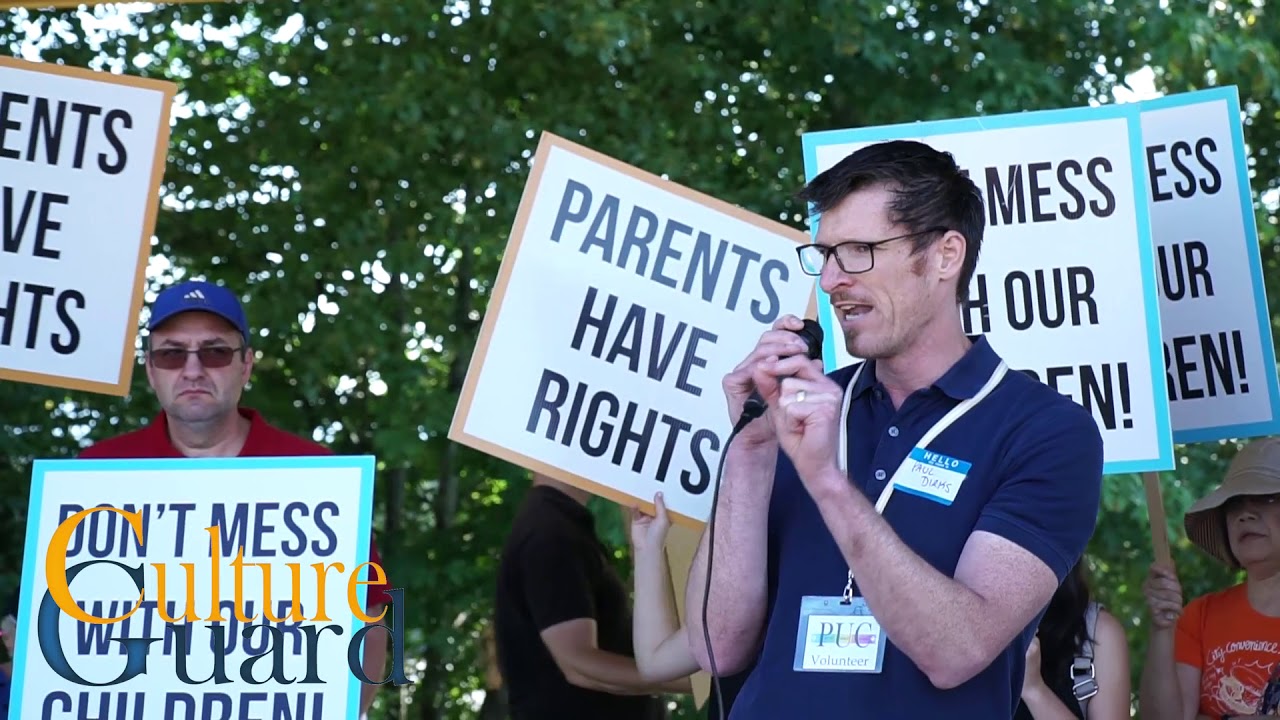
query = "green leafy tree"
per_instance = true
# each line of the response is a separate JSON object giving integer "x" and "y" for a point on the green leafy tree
{"x": 354, "y": 168}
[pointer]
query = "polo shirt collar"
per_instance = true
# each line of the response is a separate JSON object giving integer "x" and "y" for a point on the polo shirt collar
{"x": 962, "y": 381}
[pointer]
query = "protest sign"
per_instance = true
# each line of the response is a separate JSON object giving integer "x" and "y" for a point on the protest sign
{"x": 275, "y": 547}
{"x": 1065, "y": 287}
{"x": 1218, "y": 353}
{"x": 81, "y": 158}
{"x": 622, "y": 301}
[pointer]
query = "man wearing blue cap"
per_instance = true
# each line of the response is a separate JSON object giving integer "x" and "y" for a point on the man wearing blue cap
{"x": 199, "y": 358}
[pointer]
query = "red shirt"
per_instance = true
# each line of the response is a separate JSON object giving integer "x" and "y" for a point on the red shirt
{"x": 264, "y": 440}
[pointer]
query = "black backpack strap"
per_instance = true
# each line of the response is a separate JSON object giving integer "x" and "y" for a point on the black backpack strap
{"x": 1084, "y": 684}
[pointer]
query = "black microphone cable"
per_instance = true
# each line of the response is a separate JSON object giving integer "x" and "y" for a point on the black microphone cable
{"x": 749, "y": 412}
{"x": 753, "y": 408}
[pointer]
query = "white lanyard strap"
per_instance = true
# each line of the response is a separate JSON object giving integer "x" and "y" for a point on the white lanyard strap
{"x": 954, "y": 414}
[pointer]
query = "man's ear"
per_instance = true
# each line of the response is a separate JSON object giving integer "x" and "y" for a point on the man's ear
{"x": 950, "y": 254}
{"x": 146, "y": 362}
{"x": 248, "y": 365}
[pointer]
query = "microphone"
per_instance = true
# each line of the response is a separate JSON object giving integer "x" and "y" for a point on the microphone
{"x": 811, "y": 333}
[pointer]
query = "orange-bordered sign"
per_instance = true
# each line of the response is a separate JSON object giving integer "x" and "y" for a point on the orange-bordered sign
{"x": 81, "y": 161}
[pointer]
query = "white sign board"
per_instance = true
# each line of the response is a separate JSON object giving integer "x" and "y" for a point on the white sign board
{"x": 287, "y": 514}
{"x": 622, "y": 301}
{"x": 1065, "y": 287}
{"x": 82, "y": 154}
{"x": 1219, "y": 358}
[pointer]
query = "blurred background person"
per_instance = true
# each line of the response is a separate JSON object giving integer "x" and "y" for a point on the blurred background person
{"x": 1220, "y": 656}
{"x": 563, "y": 618}
{"x": 1078, "y": 662}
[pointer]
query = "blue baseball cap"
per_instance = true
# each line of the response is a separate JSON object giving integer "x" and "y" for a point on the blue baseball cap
{"x": 199, "y": 296}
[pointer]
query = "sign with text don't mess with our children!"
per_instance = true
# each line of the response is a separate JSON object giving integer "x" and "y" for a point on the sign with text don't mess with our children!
{"x": 1219, "y": 360}
{"x": 622, "y": 301}
{"x": 81, "y": 158}
{"x": 180, "y": 589}
{"x": 1064, "y": 288}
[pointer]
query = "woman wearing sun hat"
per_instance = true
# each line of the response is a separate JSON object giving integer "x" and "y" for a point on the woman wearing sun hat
{"x": 1220, "y": 656}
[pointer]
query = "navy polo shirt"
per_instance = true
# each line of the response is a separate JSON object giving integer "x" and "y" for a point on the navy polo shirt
{"x": 1035, "y": 479}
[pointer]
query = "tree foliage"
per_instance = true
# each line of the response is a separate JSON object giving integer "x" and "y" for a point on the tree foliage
{"x": 355, "y": 168}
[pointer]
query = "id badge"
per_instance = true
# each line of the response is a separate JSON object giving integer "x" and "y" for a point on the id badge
{"x": 835, "y": 637}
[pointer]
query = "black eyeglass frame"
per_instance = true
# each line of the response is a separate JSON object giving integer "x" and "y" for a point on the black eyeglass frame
{"x": 833, "y": 250}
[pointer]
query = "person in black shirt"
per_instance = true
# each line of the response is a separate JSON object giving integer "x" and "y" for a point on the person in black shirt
{"x": 563, "y": 619}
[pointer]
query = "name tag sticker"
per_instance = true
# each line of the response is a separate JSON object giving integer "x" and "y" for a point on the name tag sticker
{"x": 933, "y": 476}
{"x": 835, "y": 637}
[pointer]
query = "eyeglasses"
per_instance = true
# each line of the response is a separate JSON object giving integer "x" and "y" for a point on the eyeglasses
{"x": 212, "y": 356}
{"x": 853, "y": 257}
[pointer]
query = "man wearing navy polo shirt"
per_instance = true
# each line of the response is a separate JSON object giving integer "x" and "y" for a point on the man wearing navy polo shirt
{"x": 199, "y": 358}
{"x": 891, "y": 532}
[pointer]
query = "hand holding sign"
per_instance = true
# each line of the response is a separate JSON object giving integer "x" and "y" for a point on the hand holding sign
{"x": 649, "y": 532}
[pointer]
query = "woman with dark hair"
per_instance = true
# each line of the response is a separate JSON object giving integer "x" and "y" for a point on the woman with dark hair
{"x": 1078, "y": 663}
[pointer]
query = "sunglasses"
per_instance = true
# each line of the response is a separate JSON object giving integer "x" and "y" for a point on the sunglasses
{"x": 213, "y": 356}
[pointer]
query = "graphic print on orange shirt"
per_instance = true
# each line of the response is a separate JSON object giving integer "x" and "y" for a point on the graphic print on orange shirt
{"x": 1240, "y": 676}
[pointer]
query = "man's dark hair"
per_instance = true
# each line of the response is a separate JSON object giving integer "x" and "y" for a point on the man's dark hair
{"x": 928, "y": 189}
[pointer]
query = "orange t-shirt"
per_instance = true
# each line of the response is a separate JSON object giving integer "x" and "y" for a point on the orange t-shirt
{"x": 1237, "y": 651}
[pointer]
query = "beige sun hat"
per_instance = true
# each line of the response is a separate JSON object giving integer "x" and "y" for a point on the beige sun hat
{"x": 1255, "y": 470}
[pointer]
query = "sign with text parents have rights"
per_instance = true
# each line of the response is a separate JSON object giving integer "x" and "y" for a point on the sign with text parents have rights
{"x": 81, "y": 158}
{"x": 1064, "y": 287}
{"x": 622, "y": 301}
{"x": 198, "y": 588}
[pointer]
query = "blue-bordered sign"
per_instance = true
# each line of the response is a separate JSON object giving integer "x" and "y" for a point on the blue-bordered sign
{"x": 1065, "y": 286}
{"x": 1221, "y": 366}
{"x": 306, "y": 519}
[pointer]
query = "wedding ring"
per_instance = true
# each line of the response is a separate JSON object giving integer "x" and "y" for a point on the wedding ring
{"x": 800, "y": 396}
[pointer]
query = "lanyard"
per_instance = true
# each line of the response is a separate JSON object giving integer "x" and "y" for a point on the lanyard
{"x": 954, "y": 414}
